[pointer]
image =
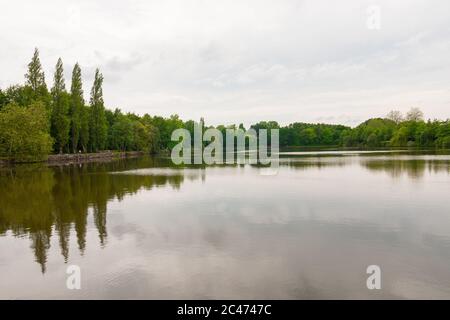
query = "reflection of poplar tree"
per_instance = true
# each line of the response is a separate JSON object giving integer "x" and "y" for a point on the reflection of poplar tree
{"x": 64, "y": 237}
{"x": 81, "y": 189}
{"x": 62, "y": 196}
{"x": 100, "y": 222}
{"x": 24, "y": 214}
{"x": 40, "y": 242}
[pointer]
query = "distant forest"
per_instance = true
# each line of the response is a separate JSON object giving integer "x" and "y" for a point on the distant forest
{"x": 35, "y": 122}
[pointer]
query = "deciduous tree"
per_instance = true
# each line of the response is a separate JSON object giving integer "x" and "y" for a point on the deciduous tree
{"x": 24, "y": 132}
{"x": 76, "y": 107}
{"x": 98, "y": 126}
{"x": 60, "y": 109}
{"x": 35, "y": 79}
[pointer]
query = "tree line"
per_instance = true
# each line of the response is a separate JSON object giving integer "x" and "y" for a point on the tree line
{"x": 35, "y": 121}
{"x": 397, "y": 130}
{"x": 393, "y": 130}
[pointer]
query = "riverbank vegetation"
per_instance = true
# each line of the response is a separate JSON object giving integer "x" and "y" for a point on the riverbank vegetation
{"x": 36, "y": 121}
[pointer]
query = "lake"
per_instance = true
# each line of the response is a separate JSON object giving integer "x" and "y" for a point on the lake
{"x": 142, "y": 228}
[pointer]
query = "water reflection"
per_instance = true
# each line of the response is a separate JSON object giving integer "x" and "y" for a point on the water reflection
{"x": 414, "y": 169}
{"x": 142, "y": 228}
{"x": 37, "y": 201}
{"x": 395, "y": 165}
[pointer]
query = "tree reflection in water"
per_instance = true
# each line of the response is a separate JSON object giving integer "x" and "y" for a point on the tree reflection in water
{"x": 38, "y": 201}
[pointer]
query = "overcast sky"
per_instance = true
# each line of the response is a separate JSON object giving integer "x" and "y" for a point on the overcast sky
{"x": 242, "y": 61}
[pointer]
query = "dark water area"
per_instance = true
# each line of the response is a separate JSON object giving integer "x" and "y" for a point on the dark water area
{"x": 142, "y": 228}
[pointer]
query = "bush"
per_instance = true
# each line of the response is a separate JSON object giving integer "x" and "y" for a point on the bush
{"x": 444, "y": 142}
{"x": 24, "y": 133}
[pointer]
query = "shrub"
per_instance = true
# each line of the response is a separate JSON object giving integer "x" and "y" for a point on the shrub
{"x": 24, "y": 133}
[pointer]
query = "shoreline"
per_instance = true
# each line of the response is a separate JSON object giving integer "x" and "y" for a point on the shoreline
{"x": 105, "y": 156}
{"x": 72, "y": 158}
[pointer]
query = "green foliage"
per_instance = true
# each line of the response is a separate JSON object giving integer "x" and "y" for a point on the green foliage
{"x": 35, "y": 76}
{"x": 306, "y": 134}
{"x": 130, "y": 132}
{"x": 153, "y": 134}
{"x": 399, "y": 131}
{"x": 24, "y": 133}
{"x": 20, "y": 95}
{"x": 67, "y": 118}
{"x": 76, "y": 107}
{"x": 266, "y": 125}
{"x": 32, "y": 119}
{"x": 35, "y": 80}
{"x": 98, "y": 129}
{"x": 60, "y": 122}
{"x": 85, "y": 115}
{"x": 443, "y": 134}
{"x": 372, "y": 133}
{"x": 165, "y": 128}
{"x": 3, "y": 99}
{"x": 120, "y": 135}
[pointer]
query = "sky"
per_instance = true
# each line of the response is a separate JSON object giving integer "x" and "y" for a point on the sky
{"x": 242, "y": 61}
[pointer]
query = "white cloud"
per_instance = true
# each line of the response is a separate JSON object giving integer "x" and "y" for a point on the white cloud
{"x": 242, "y": 61}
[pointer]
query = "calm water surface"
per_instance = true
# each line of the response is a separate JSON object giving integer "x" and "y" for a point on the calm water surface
{"x": 141, "y": 228}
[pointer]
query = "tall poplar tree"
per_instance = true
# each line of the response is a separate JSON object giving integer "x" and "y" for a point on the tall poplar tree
{"x": 35, "y": 80}
{"x": 85, "y": 114}
{"x": 76, "y": 107}
{"x": 60, "y": 109}
{"x": 98, "y": 126}
{"x": 35, "y": 75}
